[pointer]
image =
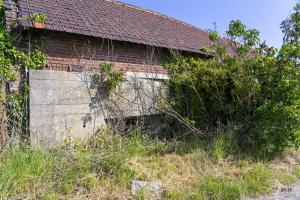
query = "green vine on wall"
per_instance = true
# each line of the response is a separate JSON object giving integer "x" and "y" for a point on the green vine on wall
{"x": 14, "y": 63}
{"x": 110, "y": 76}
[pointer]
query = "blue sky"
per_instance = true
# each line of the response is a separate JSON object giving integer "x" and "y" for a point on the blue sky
{"x": 264, "y": 15}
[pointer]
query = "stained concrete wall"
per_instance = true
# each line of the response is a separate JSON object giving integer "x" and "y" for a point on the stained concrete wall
{"x": 69, "y": 104}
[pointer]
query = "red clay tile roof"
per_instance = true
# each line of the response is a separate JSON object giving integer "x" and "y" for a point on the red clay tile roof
{"x": 116, "y": 21}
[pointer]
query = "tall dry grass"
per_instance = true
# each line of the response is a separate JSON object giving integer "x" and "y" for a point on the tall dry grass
{"x": 104, "y": 167}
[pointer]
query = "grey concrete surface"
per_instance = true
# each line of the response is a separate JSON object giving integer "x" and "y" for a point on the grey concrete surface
{"x": 69, "y": 104}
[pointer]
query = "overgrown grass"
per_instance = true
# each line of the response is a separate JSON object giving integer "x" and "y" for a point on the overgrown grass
{"x": 104, "y": 167}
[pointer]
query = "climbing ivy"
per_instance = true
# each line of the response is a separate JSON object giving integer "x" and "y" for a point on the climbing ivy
{"x": 14, "y": 63}
{"x": 111, "y": 77}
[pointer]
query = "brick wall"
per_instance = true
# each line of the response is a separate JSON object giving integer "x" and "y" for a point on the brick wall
{"x": 64, "y": 50}
{"x": 11, "y": 14}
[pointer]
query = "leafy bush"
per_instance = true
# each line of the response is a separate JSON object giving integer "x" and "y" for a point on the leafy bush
{"x": 257, "y": 180}
{"x": 219, "y": 148}
{"x": 296, "y": 172}
{"x": 255, "y": 87}
{"x": 64, "y": 170}
{"x": 224, "y": 144}
{"x": 109, "y": 76}
{"x": 286, "y": 179}
{"x": 24, "y": 169}
{"x": 36, "y": 17}
{"x": 220, "y": 188}
{"x": 15, "y": 62}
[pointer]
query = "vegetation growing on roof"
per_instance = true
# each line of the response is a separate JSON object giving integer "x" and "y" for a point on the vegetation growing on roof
{"x": 37, "y": 17}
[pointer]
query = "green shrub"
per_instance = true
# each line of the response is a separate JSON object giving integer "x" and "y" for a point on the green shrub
{"x": 64, "y": 170}
{"x": 90, "y": 181}
{"x": 51, "y": 196}
{"x": 296, "y": 172}
{"x": 109, "y": 77}
{"x": 70, "y": 170}
{"x": 184, "y": 193}
{"x": 174, "y": 194}
{"x": 219, "y": 145}
{"x": 286, "y": 179}
{"x": 10, "y": 58}
{"x": 258, "y": 180}
{"x": 217, "y": 188}
{"x": 252, "y": 86}
{"x": 144, "y": 194}
{"x": 184, "y": 145}
{"x": 225, "y": 143}
{"x": 23, "y": 169}
{"x": 36, "y": 17}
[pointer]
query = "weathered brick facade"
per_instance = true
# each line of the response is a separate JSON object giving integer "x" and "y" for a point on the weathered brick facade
{"x": 64, "y": 104}
{"x": 81, "y": 35}
{"x": 64, "y": 50}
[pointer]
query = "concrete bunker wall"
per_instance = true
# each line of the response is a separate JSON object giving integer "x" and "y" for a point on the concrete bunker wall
{"x": 67, "y": 104}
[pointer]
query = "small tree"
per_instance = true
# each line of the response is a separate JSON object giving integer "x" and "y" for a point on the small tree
{"x": 291, "y": 41}
{"x": 255, "y": 87}
{"x": 291, "y": 27}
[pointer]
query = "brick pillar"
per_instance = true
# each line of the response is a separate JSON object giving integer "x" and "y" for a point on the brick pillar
{"x": 11, "y": 14}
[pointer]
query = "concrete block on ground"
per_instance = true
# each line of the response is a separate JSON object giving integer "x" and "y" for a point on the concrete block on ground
{"x": 155, "y": 188}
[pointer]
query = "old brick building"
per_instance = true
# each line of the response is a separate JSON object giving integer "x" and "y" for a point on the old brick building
{"x": 82, "y": 34}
